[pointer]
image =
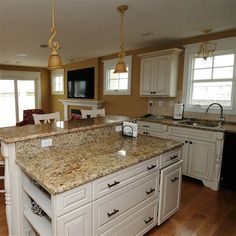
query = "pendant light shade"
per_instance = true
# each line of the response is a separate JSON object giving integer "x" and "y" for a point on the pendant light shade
{"x": 54, "y": 61}
{"x": 120, "y": 66}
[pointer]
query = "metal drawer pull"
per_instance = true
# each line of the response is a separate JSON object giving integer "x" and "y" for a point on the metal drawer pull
{"x": 113, "y": 213}
{"x": 115, "y": 183}
{"x": 147, "y": 126}
{"x": 148, "y": 220}
{"x": 150, "y": 191}
{"x": 174, "y": 179}
{"x": 173, "y": 157}
{"x": 151, "y": 167}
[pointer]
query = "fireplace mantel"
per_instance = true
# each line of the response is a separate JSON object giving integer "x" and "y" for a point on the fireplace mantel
{"x": 73, "y": 102}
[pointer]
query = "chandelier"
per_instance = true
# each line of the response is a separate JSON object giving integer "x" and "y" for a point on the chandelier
{"x": 206, "y": 48}
{"x": 54, "y": 61}
{"x": 120, "y": 66}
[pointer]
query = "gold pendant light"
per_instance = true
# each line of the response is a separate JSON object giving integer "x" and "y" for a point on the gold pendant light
{"x": 120, "y": 66}
{"x": 54, "y": 61}
{"x": 206, "y": 48}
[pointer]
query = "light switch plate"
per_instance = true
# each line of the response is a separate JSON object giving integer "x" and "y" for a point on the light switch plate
{"x": 46, "y": 142}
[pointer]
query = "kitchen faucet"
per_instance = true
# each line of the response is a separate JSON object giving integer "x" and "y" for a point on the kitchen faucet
{"x": 222, "y": 117}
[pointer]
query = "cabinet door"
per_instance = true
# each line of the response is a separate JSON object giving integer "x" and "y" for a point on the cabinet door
{"x": 184, "y": 152}
{"x": 147, "y": 76}
{"x": 162, "y": 74}
{"x": 170, "y": 190}
{"x": 77, "y": 222}
{"x": 201, "y": 158}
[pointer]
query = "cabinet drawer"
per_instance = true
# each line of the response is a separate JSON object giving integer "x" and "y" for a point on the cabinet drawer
{"x": 150, "y": 126}
{"x": 192, "y": 133}
{"x": 112, "y": 206}
{"x": 112, "y": 182}
{"x": 170, "y": 158}
{"x": 70, "y": 200}
{"x": 137, "y": 224}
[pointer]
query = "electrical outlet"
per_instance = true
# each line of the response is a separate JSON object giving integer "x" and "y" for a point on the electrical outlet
{"x": 160, "y": 103}
{"x": 46, "y": 142}
{"x": 150, "y": 103}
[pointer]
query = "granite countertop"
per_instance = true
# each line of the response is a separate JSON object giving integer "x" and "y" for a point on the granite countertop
{"x": 230, "y": 127}
{"x": 61, "y": 169}
{"x": 15, "y": 134}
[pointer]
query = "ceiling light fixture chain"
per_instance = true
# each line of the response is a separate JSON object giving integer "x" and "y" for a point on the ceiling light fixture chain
{"x": 120, "y": 66}
{"x": 54, "y": 61}
{"x": 206, "y": 48}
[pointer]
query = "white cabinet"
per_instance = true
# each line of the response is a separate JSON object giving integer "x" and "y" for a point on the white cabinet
{"x": 77, "y": 222}
{"x": 170, "y": 191}
{"x": 152, "y": 129}
{"x": 159, "y": 73}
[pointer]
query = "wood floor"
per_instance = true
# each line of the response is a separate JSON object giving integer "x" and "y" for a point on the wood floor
{"x": 203, "y": 212}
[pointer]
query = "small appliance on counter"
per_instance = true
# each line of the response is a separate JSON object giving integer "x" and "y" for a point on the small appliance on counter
{"x": 130, "y": 128}
{"x": 178, "y": 111}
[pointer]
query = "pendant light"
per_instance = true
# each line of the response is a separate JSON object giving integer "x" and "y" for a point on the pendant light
{"x": 54, "y": 61}
{"x": 120, "y": 66}
{"x": 206, "y": 48}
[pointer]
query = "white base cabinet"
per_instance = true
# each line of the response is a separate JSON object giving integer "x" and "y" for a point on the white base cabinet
{"x": 170, "y": 191}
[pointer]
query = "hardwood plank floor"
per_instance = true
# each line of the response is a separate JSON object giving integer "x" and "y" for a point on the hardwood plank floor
{"x": 203, "y": 212}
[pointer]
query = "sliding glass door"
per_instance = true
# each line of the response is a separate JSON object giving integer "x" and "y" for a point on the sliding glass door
{"x": 16, "y": 96}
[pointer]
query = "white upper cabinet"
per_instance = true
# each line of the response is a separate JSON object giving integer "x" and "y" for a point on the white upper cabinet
{"x": 159, "y": 73}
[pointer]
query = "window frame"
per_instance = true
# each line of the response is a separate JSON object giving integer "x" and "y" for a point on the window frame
{"x": 55, "y": 74}
{"x": 107, "y": 66}
{"x": 224, "y": 46}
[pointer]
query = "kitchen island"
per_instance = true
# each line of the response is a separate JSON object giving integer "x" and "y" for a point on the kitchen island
{"x": 77, "y": 179}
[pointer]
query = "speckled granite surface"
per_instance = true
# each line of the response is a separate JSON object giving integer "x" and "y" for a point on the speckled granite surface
{"x": 15, "y": 134}
{"x": 59, "y": 169}
{"x": 231, "y": 127}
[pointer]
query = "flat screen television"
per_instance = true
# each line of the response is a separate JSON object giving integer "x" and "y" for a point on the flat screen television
{"x": 80, "y": 83}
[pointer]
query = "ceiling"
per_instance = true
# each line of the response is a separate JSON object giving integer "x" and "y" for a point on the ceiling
{"x": 90, "y": 28}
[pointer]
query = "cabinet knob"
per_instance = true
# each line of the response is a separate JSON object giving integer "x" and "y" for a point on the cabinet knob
{"x": 112, "y": 213}
{"x": 186, "y": 141}
{"x": 174, "y": 179}
{"x": 190, "y": 142}
{"x": 150, "y": 191}
{"x": 151, "y": 167}
{"x": 111, "y": 185}
{"x": 148, "y": 220}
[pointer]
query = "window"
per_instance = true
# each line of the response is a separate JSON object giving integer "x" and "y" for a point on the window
{"x": 211, "y": 80}
{"x": 18, "y": 91}
{"x": 117, "y": 83}
{"x": 57, "y": 82}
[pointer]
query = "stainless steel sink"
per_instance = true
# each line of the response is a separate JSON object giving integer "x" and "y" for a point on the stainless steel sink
{"x": 198, "y": 123}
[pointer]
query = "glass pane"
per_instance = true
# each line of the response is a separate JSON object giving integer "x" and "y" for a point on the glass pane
{"x": 201, "y": 63}
{"x": 113, "y": 75}
{"x": 123, "y": 75}
{"x": 123, "y": 84}
{"x": 201, "y": 74}
{"x": 26, "y": 96}
{"x": 113, "y": 84}
{"x": 224, "y": 60}
{"x": 7, "y": 103}
{"x": 205, "y": 93}
{"x": 223, "y": 73}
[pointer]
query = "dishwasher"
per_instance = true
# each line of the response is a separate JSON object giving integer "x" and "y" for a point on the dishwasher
{"x": 228, "y": 173}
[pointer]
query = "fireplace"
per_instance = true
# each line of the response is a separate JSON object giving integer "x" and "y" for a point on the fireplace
{"x": 75, "y": 114}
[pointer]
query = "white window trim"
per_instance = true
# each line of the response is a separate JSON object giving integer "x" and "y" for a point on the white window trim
{"x": 111, "y": 63}
{"x": 223, "y": 45}
{"x": 53, "y": 75}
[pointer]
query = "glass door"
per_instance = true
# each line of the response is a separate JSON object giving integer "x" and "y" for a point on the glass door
{"x": 7, "y": 103}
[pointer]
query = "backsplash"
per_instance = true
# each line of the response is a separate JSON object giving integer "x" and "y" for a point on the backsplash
{"x": 164, "y": 106}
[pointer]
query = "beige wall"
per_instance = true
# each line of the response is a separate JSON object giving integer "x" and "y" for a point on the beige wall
{"x": 45, "y": 83}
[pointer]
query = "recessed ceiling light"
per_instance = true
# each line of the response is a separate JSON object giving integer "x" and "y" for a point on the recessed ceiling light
{"x": 147, "y": 34}
{"x": 21, "y": 55}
